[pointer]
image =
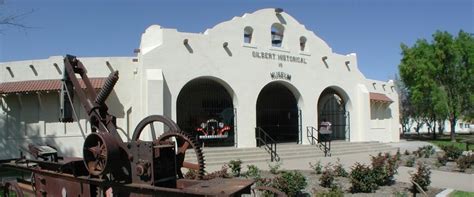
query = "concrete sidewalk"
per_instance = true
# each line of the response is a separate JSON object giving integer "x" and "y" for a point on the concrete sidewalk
{"x": 440, "y": 179}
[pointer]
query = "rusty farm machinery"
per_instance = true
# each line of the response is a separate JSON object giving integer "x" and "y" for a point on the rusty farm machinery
{"x": 110, "y": 166}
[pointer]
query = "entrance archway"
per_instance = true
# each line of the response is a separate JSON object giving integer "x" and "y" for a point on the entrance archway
{"x": 278, "y": 113}
{"x": 205, "y": 109}
{"x": 332, "y": 108}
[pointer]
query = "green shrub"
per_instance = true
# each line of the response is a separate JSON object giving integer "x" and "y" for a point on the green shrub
{"x": 410, "y": 162}
{"x": 398, "y": 155}
{"x": 253, "y": 172}
{"x": 378, "y": 168}
{"x": 391, "y": 169}
{"x": 465, "y": 162}
{"x": 407, "y": 152}
{"x": 400, "y": 194}
{"x": 317, "y": 167}
{"x": 339, "y": 169}
{"x": 384, "y": 168}
{"x": 290, "y": 182}
{"x": 452, "y": 152}
{"x": 362, "y": 179}
{"x": 422, "y": 177}
{"x": 442, "y": 160}
{"x": 327, "y": 177}
{"x": 425, "y": 151}
{"x": 274, "y": 169}
{"x": 335, "y": 191}
{"x": 235, "y": 167}
{"x": 191, "y": 174}
{"x": 222, "y": 173}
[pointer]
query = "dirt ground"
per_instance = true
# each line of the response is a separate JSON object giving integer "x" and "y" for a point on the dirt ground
{"x": 433, "y": 163}
{"x": 396, "y": 189}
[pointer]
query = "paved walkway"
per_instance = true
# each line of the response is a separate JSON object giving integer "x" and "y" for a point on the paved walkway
{"x": 457, "y": 181}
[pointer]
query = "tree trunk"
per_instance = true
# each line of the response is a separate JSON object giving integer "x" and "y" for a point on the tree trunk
{"x": 453, "y": 126}
{"x": 441, "y": 127}
{"x": 434, "y": 130}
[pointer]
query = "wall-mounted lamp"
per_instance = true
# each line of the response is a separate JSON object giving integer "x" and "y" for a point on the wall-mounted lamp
{"x": 185, "y": 42}
{"x": 348, "y": 62}
{"x": 225, "y": 44}
{"x": 324, "y": 58}
{"x": 136, "y": 51}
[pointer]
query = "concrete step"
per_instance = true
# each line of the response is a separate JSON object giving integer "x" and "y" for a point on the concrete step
{"x": 285, "y": 149}
{"x": 221, "y": 155}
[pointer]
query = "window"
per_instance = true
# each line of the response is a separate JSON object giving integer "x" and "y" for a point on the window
{"x": 248, "y": 31}
{"x": 277, "y": 34}
{"x": 302, "y": 43}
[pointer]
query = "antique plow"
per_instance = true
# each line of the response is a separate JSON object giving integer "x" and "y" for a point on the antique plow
{"x": 110, "y": 166}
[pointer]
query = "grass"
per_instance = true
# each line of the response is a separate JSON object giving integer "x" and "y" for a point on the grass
{"x": 443, "y": 140}
{"x": 461, "y": 194}
{"x": 446, "y": 141}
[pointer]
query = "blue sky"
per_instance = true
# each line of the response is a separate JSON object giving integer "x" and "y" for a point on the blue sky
{"x": 373, "y": 29}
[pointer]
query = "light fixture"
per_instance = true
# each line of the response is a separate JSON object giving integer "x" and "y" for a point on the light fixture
{"x": 278, "y": 10}
{"x": 324, "y": 58}
{"x": 225, "y": 44}
{"x": 185, "y": 41}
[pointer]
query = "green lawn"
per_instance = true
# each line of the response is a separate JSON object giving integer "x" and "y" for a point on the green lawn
{"x": 460, "y": 145}
{"x": 446, "y": 141}
{"x": 461, "y": 194}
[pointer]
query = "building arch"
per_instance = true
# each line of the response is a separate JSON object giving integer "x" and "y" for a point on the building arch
{"x": 334, "y": 106}
{"x": 278, "y": 112}
{"x": 204, "y": 106}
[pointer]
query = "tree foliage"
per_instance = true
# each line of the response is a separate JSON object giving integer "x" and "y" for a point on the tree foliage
{"x": 9, "y": 19}
{"x": 438, "y": 76}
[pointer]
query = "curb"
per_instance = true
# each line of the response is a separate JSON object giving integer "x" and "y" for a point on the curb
{"x": 445, "y": 193}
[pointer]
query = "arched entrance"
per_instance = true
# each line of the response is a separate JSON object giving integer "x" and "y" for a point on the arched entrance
{"x": 278, "y": 113}
{"x": 205, "y": 109}
{"x": 332, "y": 108}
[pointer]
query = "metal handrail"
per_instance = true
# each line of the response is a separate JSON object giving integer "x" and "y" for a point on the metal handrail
{"x": 269, "y": 143}
{"x": 323, "y": 146}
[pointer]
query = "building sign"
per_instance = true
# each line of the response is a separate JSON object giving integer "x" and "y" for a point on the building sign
{"x": 278, "y": 57}
{"x": 280, "y": 75}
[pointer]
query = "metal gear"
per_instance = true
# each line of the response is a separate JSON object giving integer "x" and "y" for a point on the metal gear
{"x": 172, "y": 126}
{"x": 183, "y": 141}
{"x": 100, "y": 150}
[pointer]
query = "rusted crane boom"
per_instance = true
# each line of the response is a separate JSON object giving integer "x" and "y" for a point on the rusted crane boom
{"x": 111, "y": 166}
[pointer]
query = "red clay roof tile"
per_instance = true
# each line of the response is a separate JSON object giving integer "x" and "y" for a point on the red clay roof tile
{"x": 42, "y": 85}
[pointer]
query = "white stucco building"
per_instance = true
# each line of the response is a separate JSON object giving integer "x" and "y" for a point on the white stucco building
{"x": 263, "y": 69}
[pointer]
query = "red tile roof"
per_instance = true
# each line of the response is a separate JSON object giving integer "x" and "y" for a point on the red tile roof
{"x": 379, "y": 97}
{"x": 42, "y": 85}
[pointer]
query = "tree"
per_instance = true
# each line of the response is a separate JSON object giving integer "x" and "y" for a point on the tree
{"x": 405, "y": 107}
{"x": 438, "y": 76}
{"x": 8, "y": 19}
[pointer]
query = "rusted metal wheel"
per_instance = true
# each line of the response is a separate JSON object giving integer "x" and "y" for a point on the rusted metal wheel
{"x": 11, "y": 188}
{"x": 172, "y": 126}
{"x": 185, "y": 142}
{"x": 99, "y": 151}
